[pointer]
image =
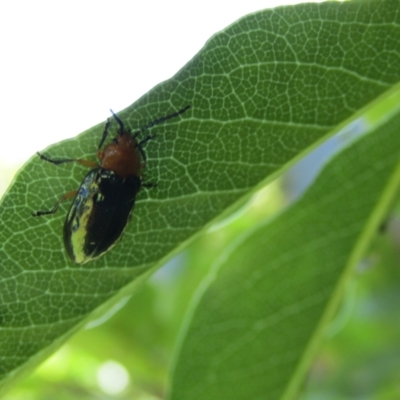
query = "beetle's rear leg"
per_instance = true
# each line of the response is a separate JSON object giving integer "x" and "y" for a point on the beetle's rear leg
{"x": 66, "y": 196}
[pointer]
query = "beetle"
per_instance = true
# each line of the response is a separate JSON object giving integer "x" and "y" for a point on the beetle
{"x": 106, "y": 197}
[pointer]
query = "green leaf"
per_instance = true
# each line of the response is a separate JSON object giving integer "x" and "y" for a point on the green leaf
{"x": 264, "y": 308}
{"x": 262, "y": 93}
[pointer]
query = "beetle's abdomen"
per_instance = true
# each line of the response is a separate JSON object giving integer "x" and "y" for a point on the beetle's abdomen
{"x": 99, "y": 214}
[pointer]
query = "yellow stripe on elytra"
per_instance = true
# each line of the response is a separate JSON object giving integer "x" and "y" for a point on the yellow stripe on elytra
{"x": 84, "y": 204}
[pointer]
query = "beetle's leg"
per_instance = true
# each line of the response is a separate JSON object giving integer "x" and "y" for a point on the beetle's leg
{"x": 105, "y": 133}
{"x": 142, "y": 153}
{"x": 149, "y": 185}
{"x": 146, "y": 139}
{"x": 58, "y": 161}
{"x": 141, "y": 143}
{"x": 66, "y": 196}
{"x": 160, "y": 120}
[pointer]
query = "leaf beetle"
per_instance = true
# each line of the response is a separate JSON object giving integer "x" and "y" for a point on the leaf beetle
{"x": 105, "y": 199}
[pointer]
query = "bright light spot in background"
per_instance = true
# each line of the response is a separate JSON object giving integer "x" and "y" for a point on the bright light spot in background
{"x": 112, "y": 377}
{"x": 65, "y": 64}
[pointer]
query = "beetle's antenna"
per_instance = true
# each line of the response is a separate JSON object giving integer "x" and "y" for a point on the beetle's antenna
{"x": 105, "y": 133}
{"x": 121, "y": 125}
{"x": 160, "y": 120}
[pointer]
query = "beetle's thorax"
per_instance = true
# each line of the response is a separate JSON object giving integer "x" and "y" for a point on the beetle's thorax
{"x": 121, "y": 156}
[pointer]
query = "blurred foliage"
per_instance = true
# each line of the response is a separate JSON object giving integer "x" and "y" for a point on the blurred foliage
{"x": 360, "y": 356}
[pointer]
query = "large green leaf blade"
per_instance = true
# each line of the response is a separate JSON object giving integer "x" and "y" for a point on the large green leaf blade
{"x": 263, "y": 309}
{"x": 262, "y": 92}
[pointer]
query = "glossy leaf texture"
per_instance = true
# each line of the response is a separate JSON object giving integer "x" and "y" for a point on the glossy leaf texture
{"x": 263, "y": 92}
